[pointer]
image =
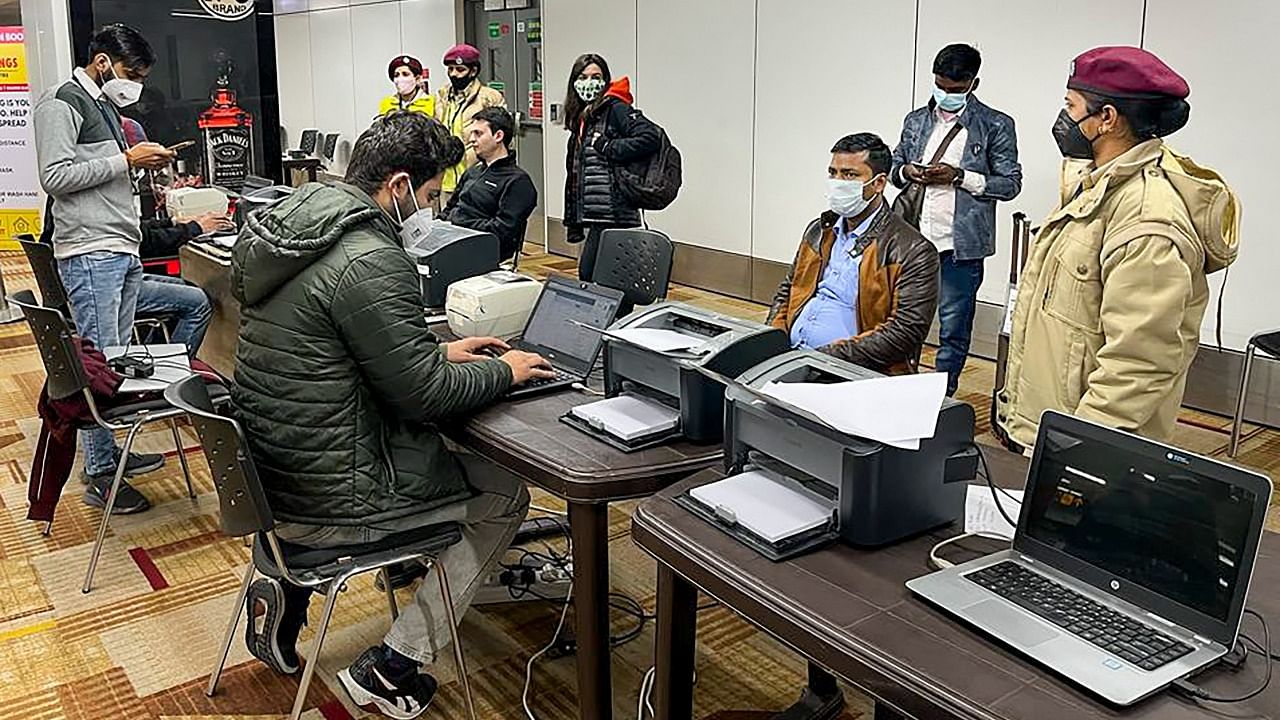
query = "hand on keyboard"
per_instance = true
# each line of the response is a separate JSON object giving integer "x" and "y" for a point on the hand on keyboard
{"x": 474, "y": 348}
{"x": 527, "y": 366}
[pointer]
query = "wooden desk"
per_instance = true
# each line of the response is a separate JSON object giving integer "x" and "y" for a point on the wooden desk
{"x": 848, "y": 611}
{"x": 213, "y": 273}
{"x": 527, "y": 437}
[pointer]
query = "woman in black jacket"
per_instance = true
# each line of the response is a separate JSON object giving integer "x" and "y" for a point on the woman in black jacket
{"x": 604, "y": 131}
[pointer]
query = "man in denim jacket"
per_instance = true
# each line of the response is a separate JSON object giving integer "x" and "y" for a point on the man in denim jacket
{"x": 978, "y": 167}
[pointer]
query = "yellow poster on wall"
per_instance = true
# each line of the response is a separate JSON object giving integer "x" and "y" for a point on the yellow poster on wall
{"x": 19, "y": 184}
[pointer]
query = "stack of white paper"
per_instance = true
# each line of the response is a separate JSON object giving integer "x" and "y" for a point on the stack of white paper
{"x": 899, "y": 411}
{"x": 629, "y": 417}
{"x": 767, "y": 505}
{"x": 170, "y": 361}
{"x": 658, "y": 339}
{"x": 224, "y": 241}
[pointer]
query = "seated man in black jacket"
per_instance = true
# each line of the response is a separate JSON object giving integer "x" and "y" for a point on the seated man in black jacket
{"x": 494, "y": 195}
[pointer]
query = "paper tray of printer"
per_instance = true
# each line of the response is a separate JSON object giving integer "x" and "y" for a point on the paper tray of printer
{"x": 808, "y": 535}
{"x": 626, "y": 422}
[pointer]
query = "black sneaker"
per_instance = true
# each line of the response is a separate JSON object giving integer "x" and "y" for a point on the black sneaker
{"x": 138, "y": 464}
{"x": 271, "y": 629}
{"x": 128, "y": 502}
{"x": 373, "y": 687}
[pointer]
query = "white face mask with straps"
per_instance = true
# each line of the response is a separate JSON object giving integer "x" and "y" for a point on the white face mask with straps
{"x": 417, "y": 224}
{"x": 121, "y": 92}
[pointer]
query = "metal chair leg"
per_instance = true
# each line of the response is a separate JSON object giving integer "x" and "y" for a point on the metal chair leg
{"x": 391, "y": 594}
{"x": 459, "y": 659}
{"x": 48, "y": 529}
{"x": 182, "y": 457}
{"x": 1238, "y": 419}
{"x": 330, "y": 599}
{"x": 111, "y": 503}
{"x": 236, "y": 611}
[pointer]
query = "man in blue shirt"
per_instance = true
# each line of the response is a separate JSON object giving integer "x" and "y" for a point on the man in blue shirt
{"x": 864, "y": 283}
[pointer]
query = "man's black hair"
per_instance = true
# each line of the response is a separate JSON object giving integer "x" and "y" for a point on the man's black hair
{"x": 498, "y": 120}
{"x": 878, "y": 156}
{"x": 958, "y": 62}
{"x": 402, "y": 141}
{"x": 122, "y": 44}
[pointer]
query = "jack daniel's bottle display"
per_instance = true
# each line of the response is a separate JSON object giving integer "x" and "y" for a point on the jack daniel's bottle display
{"x": 227, "y": 132}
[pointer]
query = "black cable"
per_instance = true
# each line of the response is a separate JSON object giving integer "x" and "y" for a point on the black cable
{"x": 1200, "y": 693}
{"x": 995, "y": 494}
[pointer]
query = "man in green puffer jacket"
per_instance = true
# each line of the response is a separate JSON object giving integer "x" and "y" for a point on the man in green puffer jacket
{"x": 341, "y": 388}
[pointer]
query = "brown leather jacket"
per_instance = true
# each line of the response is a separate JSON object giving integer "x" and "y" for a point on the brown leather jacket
{"x": 897, "y": 291}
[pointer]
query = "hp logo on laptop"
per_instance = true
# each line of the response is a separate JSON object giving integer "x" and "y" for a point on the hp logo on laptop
{"x": 1115, "y": 585}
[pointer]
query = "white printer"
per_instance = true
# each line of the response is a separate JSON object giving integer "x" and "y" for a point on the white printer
{"x": 195, "y": 201}
{"x": 495, "y": 304}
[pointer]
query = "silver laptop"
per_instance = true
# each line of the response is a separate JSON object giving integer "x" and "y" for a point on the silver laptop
{"x": 1130, "y": 565}
{"x": 566, "y": 328}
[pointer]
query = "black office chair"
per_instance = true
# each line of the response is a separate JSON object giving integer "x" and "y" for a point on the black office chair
{"x": 66, "y": 376}
{"x": 307, "y": 143}
{"x": 243, "y": 511}
{"x": 1269, "y": 343}
{"x": 636, "y": 261}
{"x": 53, "y": 294}
{"x": 330, "y": 147}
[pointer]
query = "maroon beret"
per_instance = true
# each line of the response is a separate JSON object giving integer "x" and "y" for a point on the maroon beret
{"x": 1125, "y": 72}
{"x": 409, "y": 61}
{"x": 462, "y": 55}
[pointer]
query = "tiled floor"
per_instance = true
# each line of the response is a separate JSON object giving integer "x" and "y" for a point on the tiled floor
{"x": 142, "y": 643}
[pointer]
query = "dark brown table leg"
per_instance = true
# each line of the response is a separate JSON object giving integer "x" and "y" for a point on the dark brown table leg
{"x": 674, "y": 646}
{"x": 589, "y": 528}
{"x": 822, "y": 698}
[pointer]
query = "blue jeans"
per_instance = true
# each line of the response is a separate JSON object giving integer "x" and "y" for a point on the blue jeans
{"x": 185, "y": 303}
{"x": 103, "y": 290}
{"x": 957, "y": 301}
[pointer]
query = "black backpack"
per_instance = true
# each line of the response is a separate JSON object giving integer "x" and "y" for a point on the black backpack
{"x": 654, "y": 182}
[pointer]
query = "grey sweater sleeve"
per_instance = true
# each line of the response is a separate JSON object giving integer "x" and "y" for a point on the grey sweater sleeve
{"x": 57, "y": 127}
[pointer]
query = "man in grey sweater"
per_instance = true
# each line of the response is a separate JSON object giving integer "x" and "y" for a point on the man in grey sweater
{"x": 86, "y": 168}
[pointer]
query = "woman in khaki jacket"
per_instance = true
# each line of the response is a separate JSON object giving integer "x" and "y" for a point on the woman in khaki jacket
{"x": 1109, "y": 310}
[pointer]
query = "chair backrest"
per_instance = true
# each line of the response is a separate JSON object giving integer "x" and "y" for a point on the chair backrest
{"x": 53, "y": 294}
{"x": 330, "y": 146}
{"x": 241, "y": 500}
{"x": 57, "y": 345}
{"x": 307, "y": 143}
{"x": 636, "y": 261}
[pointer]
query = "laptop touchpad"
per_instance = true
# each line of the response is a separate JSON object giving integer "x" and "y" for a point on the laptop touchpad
{"x": 1019, "y": 629}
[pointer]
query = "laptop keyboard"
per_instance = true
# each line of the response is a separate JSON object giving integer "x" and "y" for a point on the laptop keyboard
{"x": 1114, "y": 632}
{"x": 561, "y": 376}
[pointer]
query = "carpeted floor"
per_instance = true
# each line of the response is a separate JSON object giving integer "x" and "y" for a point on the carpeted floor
{"x": 142, "y": 643}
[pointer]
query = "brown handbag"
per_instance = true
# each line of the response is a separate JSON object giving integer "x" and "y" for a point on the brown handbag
{"x": 910, "y": 202}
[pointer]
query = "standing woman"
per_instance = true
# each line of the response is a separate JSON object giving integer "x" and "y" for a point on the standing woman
{"x": 604, "y": 131}
{"x": 411, "y": 93}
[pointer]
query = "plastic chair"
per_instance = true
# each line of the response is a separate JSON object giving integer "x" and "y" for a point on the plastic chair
{"x": 1269, "y": 343}
{"x": 330, "y": 147}
{"x": 66, "y": 376}
{"x": 307, "y": 143}
{"x": 243, "y": 511}
{"x": 53, "y": 294}
{"x": 636, "y": 261}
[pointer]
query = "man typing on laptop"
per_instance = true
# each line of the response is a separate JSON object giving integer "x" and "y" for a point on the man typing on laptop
{"x": 341, "y": 390}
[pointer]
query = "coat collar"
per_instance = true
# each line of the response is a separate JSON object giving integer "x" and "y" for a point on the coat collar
{"x": 1083, "y": 186}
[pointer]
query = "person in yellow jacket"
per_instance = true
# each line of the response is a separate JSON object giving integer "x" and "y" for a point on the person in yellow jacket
{"x": 458, "y": 102}
{"x": 411, "y": 92}
{"x": 1109, "y": 307}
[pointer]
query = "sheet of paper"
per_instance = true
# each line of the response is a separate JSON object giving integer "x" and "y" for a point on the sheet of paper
{"x": 898, "y": 411}
{"x": 767, "y": 505}
{"x": 629, "y": 417}
{"x": 658, "y": 339}
{"x": 224, "y": 241}
{"x": 171, "y": 365}
{"x": 982, "y": 515}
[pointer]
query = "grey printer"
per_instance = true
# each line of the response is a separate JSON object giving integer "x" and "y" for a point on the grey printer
{"x": 727, "y": 346}
{"x": 881, "y": 493}
{"x": 447, "y": 253}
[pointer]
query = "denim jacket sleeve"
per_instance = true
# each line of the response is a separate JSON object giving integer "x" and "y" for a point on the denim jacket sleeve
{"x": 909, "y": 146}
{"x": 1004, "y": 181}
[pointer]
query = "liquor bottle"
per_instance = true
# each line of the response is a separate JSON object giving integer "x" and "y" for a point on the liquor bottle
{"x": 227, "y": 133}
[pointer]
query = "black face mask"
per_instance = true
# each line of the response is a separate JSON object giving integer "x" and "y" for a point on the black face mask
{"x": 1071, "y": 140}
{"x": 460, "y": 83}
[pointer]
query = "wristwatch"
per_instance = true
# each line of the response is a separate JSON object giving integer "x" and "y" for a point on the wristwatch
{"x": 959, "y": 177}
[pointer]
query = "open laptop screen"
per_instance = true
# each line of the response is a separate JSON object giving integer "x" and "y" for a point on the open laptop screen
{"x": 561, "y": 326}
{"x": 1143, "y": 515}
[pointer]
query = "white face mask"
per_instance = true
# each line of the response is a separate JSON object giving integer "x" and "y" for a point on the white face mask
{"x": 122, "y": 93}
{"x": 405, "y": 85}
{"x": 588, "y": 88}
{"x": 845, "y": 197}
{"x": 416, "y": 226}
